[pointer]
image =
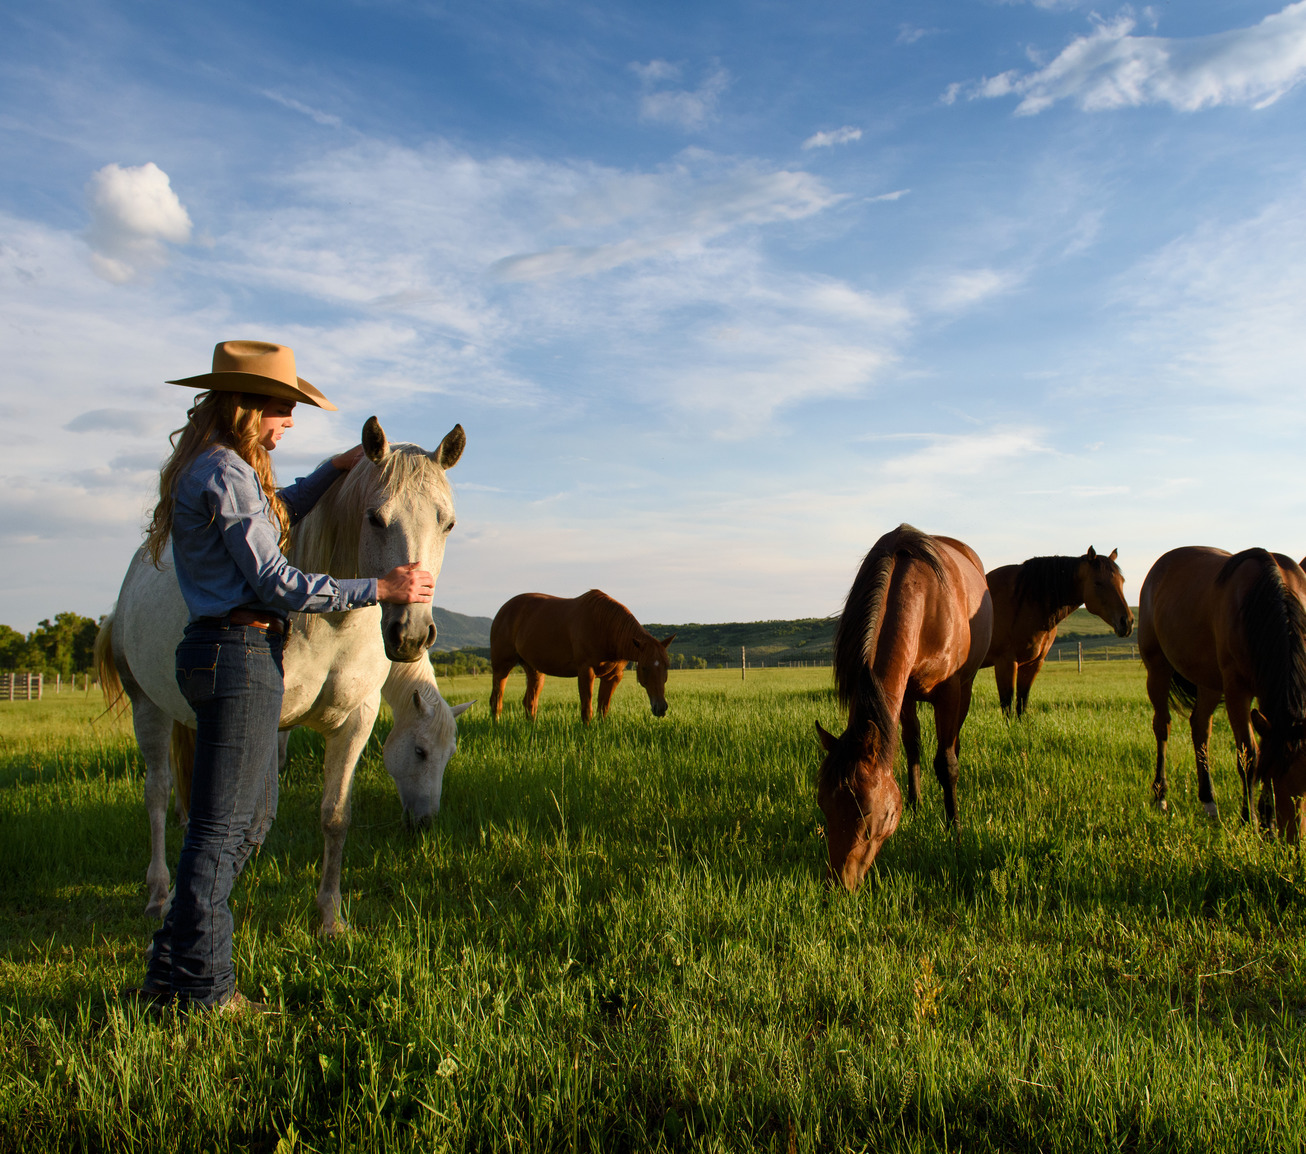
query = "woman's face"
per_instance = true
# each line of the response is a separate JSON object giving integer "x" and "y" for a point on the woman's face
{"x": 276, "y": 420}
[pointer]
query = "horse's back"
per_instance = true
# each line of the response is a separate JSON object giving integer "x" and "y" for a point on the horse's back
{"x": 536, "y": 629}
{"x": 1182, "y": 612}
{"x": 952, "y": 616}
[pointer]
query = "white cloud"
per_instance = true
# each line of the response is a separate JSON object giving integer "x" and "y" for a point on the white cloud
{"x": 1220, "y": 310}
{"x": 909, "y": 34}
{"x": 964, "y": 454}
{"x": 680, "y": 210}
{"x": 326, "y": 119}
{"x": 133, "y": 213}
{"x": 1111, "y": 68}
{"x": 690, "y": 109}
{"x": 962, "y": 290}
{"x": 897, "y": 194}
{"x": 842, "y": 135}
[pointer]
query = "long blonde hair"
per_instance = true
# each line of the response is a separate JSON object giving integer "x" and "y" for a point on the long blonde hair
{"x": 217, "y": 418}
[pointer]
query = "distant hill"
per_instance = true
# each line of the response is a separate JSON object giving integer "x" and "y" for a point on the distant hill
{"x": 458, "y": 631}
{"x": 805, "y": 639}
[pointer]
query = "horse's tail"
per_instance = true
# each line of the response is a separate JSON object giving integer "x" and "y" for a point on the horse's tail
{"x": 1183, "y": 693}
{"x": 105, "y": 667}
{"x": 182, "y": 749}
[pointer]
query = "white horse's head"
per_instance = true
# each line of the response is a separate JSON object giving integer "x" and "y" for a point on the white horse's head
{"x": 393, "y": 508}
{"x": 424, "y": 738}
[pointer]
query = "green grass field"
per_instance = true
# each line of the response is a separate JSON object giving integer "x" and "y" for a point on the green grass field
{"x": 618, "y": 939}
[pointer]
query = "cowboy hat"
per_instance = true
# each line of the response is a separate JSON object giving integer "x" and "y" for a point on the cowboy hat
{"x": 258, "y": 367}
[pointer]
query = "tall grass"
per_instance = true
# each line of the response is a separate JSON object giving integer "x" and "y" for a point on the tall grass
{"x": 617, "y": 938}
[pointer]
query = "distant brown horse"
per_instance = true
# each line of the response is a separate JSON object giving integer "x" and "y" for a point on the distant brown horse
{"x": 1029, "y": 602}
{"x": 583, "y": 637}
{"x": 915, "y": 627}
{"x": 1211, "y": 625}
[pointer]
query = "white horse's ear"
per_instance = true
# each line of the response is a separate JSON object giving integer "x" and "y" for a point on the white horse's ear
{"x": 451, "y": 448}
{"x": 464, "y": 707}
{"x": 1114, "y": 554}
{"x": 375, "y": 445}
{"x": 420, "y": 704}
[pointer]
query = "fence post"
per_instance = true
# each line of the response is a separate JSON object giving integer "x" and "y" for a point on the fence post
{"x": 743, "y": 663}
{"x": 1079, "y": 647}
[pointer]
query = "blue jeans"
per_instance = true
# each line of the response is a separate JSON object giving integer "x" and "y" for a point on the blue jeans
{"x": 232, "y": 678}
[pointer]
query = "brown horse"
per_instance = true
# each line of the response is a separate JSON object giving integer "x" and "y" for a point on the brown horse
{"x": 914, "y": 628}
{"x": 583, "y": 637}
{"x": 1029, "y": 602}
{"x": 1211, "y": 625}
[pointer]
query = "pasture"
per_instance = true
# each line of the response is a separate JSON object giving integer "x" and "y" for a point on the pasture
{"x": 618, "y": 938}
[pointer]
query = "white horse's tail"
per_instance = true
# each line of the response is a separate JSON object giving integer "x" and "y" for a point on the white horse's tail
{"x": 182, "y": 749}
{"x": 105, "y": 669}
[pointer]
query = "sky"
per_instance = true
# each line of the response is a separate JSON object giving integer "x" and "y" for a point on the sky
{"x": 720, "y": 291}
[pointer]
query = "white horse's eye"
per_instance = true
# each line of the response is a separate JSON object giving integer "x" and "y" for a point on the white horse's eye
{"x": 374, "y": 519}
{"x": 421, "y": 753}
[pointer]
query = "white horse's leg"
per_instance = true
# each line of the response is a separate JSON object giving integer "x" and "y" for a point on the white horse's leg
{"x": 343, "y": 748}
{"x": 153, "y": 733}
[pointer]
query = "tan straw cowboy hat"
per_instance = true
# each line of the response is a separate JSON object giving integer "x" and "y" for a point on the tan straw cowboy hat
{"x": 258, "y": 367}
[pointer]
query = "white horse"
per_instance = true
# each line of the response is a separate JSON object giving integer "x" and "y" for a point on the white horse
{"x": 393, "y": 508}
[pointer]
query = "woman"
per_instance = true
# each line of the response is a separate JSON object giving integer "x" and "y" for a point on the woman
{"x": 228, "y": 525}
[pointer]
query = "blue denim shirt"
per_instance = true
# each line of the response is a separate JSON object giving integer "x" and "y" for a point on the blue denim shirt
{"x": 227, "y": 550}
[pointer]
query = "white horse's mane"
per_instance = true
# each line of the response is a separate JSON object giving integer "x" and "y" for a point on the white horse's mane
{"x": 326, "y": 541}
{"x": 407, "y": 676}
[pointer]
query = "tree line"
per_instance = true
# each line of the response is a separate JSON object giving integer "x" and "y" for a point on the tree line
{"x": 63, "y": 646}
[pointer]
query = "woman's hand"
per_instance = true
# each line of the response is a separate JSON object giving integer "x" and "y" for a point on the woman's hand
{"x": 347, "y": 460}
{"x": 405, "y": 585}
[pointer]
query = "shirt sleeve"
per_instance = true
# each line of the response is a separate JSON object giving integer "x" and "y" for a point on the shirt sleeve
{"x": 240, "y": 513}
{"x": 300, "y": 497}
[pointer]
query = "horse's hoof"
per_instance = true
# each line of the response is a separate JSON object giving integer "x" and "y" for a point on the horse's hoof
{"x": 1212, "y": 810}
{"x": 1162, "y": 804}
{"x": 333, "y": 931}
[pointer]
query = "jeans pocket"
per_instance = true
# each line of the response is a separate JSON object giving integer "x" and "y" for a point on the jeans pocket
{"x": 197, "y": 673}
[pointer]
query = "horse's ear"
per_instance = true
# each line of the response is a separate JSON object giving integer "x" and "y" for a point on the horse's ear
{"x": 1092, "y": 553}
{"x": 421, "y": 706}
{"x": 635, "y": 642}
{"x": 1114, "y": 554}
{"x": 1261, "y": 724}
{"x": 668, "y": 640}
{"x": 451, "y": 448}
{"x": 375, "y": 445}
{"x": 827, "y": 740}
{"x": 458, "y": 710}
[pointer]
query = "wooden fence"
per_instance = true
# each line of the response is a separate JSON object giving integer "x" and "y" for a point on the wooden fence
{"x": 21, "y": 686}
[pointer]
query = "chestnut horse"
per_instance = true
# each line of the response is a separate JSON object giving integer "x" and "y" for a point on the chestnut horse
{"x": 1211, "y": 625}
{"x": 915, "y": 627}
{"x": 583, "y": 637}
{"x": 1029, "y": 602}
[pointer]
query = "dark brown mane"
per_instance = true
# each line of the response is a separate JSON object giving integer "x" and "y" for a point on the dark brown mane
{"x": 1050, "y": 582}
{"x": 1275, "y": 624}
{"x": 613, "y": 618}
{"x": 872, "y": 721}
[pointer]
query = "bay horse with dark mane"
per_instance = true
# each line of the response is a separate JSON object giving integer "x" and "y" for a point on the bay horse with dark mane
{"x": 915, "y": 627}
{"x": 1031, "y": 599}
{"x": 583, "y": 637}
{"x": 1211, "y": 625}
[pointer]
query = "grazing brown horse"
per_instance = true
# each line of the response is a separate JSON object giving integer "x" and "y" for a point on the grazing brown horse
{"x": 583, "y": 637}
{"x": 1211, "y": 625}
{"x": 1029, "y": 602}
{"x": 915, "y": 627}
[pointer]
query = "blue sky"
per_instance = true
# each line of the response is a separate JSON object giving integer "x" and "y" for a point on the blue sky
{"x": 720, "y": 291}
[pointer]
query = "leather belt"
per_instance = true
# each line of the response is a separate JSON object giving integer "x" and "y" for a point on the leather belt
{"x": 269, "y": 621}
